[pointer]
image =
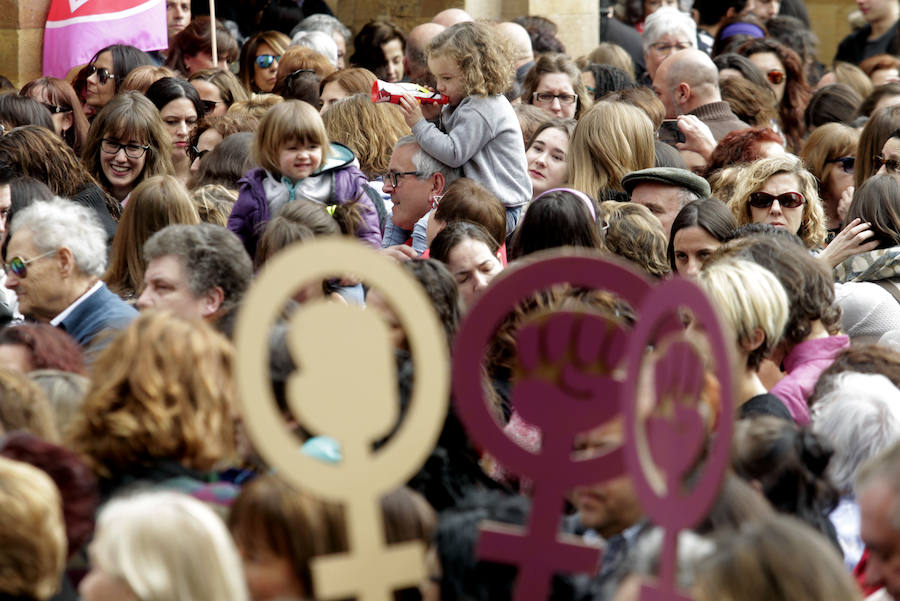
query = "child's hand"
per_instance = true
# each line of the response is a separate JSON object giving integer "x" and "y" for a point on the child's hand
{"x": 412, "y": 112}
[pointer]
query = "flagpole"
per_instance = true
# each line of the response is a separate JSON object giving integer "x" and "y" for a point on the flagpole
{"x": 212, "y": 24}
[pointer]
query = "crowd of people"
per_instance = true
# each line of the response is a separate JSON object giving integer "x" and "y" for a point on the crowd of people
{"x": 704, "y": 140}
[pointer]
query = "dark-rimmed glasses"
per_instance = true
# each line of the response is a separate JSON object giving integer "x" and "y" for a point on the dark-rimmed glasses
{"x": 264, "y": 61}
{"x": 890, "y": 165}
{"x": 547, "y": 98}
{"x": 788, "y": 200}
{"x": 775, "y": 76}
{"x": 847, "y": 163}
{"x": 132, "y": 151}
{"x": 19, "y": 266}
{"x": 393, "y": 177}
{"x": 102, "y": 74}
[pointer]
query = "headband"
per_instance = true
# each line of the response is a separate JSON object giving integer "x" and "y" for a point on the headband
{"x": 742, "y": 27}
{"x": 587, "y": 199}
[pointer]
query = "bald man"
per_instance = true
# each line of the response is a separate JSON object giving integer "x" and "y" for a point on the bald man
{"x": 415, "y": 64}
{"x": 687, "y": 82}
{"x": 520, "y": 40}
{"x": 451, "y": 16}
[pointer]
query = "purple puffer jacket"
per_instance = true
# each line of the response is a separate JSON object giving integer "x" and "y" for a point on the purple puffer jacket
{"x": 251, "y": 210}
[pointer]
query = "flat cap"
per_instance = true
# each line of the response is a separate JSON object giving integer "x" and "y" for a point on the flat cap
{"x": 672, "y": 176}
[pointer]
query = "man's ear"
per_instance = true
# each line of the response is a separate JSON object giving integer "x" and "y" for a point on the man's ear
{"x": 682, "y": 93}
{"x": 66, "y": 261}
{"x": 437, "y": 183}
{"x": 212, "y": 301}
{"x": 756, "y": 339}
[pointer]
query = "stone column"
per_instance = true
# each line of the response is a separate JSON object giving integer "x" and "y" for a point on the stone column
{"x": 829, "y": 22}
{"x": 22, "y": 38}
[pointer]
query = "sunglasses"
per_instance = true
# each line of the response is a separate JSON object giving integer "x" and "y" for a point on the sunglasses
{"x": 847, "y": 163}
{"x": 57, "y": 109}
{"x": 890, "y": 165}
{"x": 102, "y": 74}
{"x": 210, "y": 105}
{"x": 764, "y": 200}
{"x": 264, "y": 61}
{"x": 19, "y": 266}
{"x": 775, "y": 76}
{"x": 195, "y": 153}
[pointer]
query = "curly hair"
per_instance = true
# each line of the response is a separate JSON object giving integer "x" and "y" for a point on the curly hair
{"x": 485, "y": 59}
{"x": 812, "y": 227}
{"x": 556, "y": 63}
{"x": 797, "y": 91}
{"x": 367, "y": 128}
{"x": 636, "y": 235}
{"x": 167, "y": 393}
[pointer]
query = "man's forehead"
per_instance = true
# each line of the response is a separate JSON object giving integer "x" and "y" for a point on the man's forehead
{"x": 168, "y": 267}
{"x": 401, "y": 158}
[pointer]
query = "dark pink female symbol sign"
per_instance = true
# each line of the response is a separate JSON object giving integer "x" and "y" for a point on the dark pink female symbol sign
{"x": 577, "y": 402}
{"x": 672, "y": 440}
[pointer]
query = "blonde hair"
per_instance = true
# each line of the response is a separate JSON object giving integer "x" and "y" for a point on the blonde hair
{"x": 290, "y": 120}
{"x": 812, "y": 227}
{"x": 254, "y": 107}
{"x": 484, "y": 58}
{"x": 32, "y": 532}
{"x": 165, "y": 546}
{"x": 749, "y": 297}
{"x": 156, "y": 202}
{"x": 636, "y": 235}
{"x": 164, "y": 390}
{"x": 23, "y": 406}
{"x": 611, "y": 140}
{"x": 608, "y": 53}
{"x": 214, "y": 203}
{"x": 141, "y": 78}
{"x": 367, "y": 128}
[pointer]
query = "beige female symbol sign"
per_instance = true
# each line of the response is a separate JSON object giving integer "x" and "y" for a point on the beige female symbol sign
{"x": 345, "y": 387}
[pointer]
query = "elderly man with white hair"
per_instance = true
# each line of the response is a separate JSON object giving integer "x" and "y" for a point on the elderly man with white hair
{"x": 54, "y": 262}
{"x": 666, "y": 31}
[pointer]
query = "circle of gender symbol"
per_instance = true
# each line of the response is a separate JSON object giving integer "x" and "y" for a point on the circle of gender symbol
{"x": 398, "y": 460}
{"x": 665, "y": 504}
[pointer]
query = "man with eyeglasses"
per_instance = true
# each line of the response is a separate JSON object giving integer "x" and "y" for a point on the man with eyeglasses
{"x": 54, "y": 261}
{"x": 687, "y": 83}
{"x": 416, "y": 181}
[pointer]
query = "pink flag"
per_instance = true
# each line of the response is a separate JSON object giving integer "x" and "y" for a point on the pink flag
{"x": 77, "y": 29}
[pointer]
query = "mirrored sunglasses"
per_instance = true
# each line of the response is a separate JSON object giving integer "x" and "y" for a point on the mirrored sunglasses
{"x": 264, "y": 61}
{"x": 102, "y": 74}
{"x": 19, "y": 266}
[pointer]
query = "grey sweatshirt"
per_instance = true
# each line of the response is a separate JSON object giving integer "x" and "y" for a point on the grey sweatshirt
{"x": 485, "y": 139}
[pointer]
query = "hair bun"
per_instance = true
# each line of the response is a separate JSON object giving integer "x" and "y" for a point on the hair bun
{"x": 814, "y": 451}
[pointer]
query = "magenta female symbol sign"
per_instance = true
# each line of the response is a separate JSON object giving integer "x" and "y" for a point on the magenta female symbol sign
{"x": 584, "y": 350}
{"x": 582, "y": 398}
